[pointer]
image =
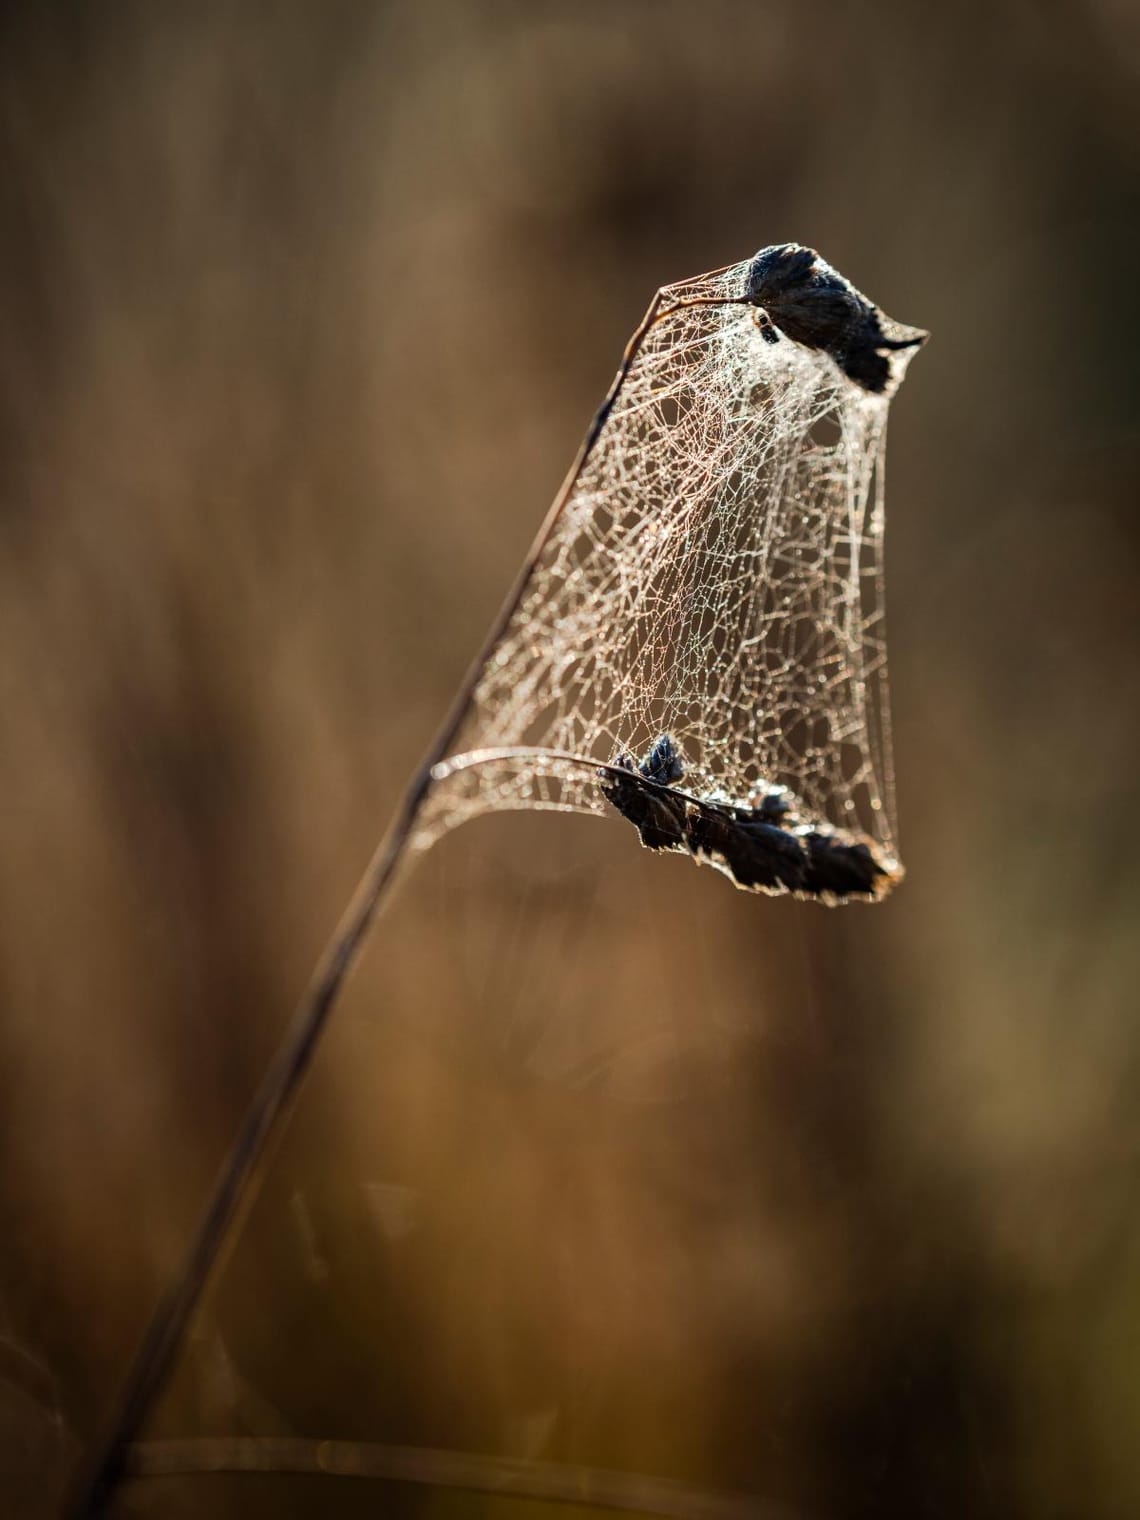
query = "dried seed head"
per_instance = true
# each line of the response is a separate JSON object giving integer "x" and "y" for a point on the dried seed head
{"x": 813, "y": 304}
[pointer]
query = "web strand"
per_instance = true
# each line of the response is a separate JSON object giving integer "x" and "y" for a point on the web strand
{"x": 715, "y": 575}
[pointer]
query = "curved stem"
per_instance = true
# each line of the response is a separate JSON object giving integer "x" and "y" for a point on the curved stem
{"x": 518, "y": 1478}
{"x": 274, "y": 1099}
{"x": 263, "y": 1122}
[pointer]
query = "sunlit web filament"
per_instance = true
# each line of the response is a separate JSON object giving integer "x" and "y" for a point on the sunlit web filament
{"x": 714, "y": 575}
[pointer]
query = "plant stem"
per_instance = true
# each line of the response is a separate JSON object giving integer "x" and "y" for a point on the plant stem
{"x": 273, "y": 1102}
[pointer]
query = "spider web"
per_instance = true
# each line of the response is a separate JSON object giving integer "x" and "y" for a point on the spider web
{"x": 715, "y": 574}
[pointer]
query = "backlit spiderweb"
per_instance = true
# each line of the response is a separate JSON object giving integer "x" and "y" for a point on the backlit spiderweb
{"x": 715, "y": 574}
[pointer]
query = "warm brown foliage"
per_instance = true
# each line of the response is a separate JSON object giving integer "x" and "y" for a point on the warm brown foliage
{"x": 305, "y": 310}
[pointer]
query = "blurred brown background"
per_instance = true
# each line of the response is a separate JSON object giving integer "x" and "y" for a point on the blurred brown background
{"x": 305, "y": 309}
